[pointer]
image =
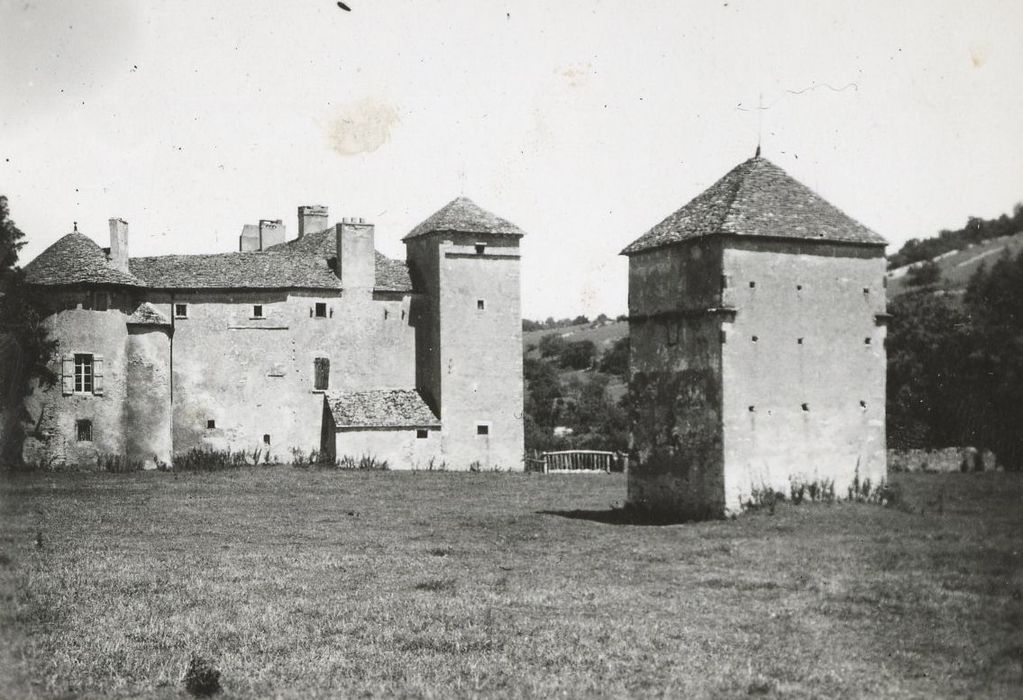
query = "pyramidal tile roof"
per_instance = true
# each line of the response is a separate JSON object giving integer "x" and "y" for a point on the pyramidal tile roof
{"x": 381, "y": 408}
{"x": 76, "y": 259}
{"x": 462, "y": 215}
{"x": 391, "y": 275}
{"x": 235, "y": 271}
{"x": 757, "y": 198}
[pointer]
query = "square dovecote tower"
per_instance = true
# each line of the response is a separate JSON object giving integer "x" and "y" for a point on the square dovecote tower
{"x": 757, "y": 325}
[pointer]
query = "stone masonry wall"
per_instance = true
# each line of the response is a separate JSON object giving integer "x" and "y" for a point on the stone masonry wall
{"x": 804, "y": 366}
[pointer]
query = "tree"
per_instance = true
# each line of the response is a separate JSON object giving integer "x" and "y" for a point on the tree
{"x": 926, "y": 274}
{"x": 552, "y": 345}
{"x": 616, "y": 359}
{"x": 578, "y": 355}
{"x": 25, "y": 346}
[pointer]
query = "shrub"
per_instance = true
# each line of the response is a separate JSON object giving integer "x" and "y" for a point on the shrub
{"x": 200, "y": 459}
{"x": 366, "y": 462}
{"x": 578, "y": 355}
{"x": 201, "y": 679}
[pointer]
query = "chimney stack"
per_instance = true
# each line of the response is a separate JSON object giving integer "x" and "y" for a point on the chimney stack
{"x": 312, "y": 218}
{"x": 271, "y": 232}
{"x": 356, "y": 255}
{"x": 119, "y": 244}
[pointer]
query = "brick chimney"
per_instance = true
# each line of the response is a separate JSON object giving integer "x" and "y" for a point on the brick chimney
{"x": 356, "y": 255}
{"x": 119, "y": 244}
{"x": 312, "y": 218}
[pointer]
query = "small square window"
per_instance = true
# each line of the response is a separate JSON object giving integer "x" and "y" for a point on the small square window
{"x": 321, "y": 309}
{"x": 755, "y": 339}
{"x": 211, "y": 424}
{"x": 482, "y": 429}
{"x": 752, "y": 284}
{"x": 799, "y": 287}
{"x": 799, "y": 341}
{"x": 266, "y": 439}
{"x": 481, "y": 248}
{"x": 422, "y": 434}
{"x": 181, "y": 311}
{"x": 84, "y": 430}
{"x": 866, "y": 341}
{"x": 806, "y": 407}
{"x": 257, "y": 311}
{"x": 481, "y": 304}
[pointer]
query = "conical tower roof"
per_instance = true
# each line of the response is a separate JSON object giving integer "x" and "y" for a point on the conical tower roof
{"x": 758, "y": 199}
{"x": 462, "y": 215}
{"x": 76, "y": 259}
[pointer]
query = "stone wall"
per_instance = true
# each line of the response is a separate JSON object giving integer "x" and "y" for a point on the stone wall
{"x": 401, "y": 448}
{"x": 948, "y": 459}
{"x": 675, "y": 465}
{"x": 254, "y": 377}
{"x": 804, "y": 366}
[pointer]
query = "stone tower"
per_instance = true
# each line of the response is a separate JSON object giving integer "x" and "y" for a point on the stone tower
{"x": 465, "y": 263}
{"x": 757, "y": 326}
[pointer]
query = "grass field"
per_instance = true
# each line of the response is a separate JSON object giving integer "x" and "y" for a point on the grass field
{"x": 302, "y": 583}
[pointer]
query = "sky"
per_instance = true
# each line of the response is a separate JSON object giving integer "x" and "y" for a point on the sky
{"x": 584, "y": 122}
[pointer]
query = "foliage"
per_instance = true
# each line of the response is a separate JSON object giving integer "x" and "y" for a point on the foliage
{"x": 975, "y": 231}
{"x": 204, "y": 459}
{"x": 365, "y": 463}
{"x": 578, "y": 355}
{"x": 120, "y": 464}
{"x": 616, "y": 359}
{"x": 201, "y": 679}
{"x": 25, "y": 346}
{"x": 926, "y": 274}
{"x": 552, "y": 345}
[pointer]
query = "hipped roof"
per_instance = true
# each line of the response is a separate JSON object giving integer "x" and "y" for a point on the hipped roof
{"x": 757, "y": 199}
{"x": 381, "y": 408}
{"x": 462, "y": 215}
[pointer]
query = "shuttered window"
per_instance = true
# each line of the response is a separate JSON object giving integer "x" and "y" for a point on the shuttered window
{"x": 321, "y": 373}
{"x": 82, "y": 373}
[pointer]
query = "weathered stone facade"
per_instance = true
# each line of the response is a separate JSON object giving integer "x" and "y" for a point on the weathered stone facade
{"x": 239, "y": 350}
{"x": 757, "y": 348}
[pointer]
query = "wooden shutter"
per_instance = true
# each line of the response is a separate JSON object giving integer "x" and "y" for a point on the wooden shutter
{"x": 97, "y": 375}
{"x": 67, "y": 374}
{"x": 322, "y": 371}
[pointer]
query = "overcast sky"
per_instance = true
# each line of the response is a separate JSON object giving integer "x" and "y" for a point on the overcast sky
{"x": 583, "y": 122}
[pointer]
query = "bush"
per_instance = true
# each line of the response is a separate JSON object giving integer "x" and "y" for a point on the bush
{"x": 202, "y": 459}
{"x": 552, "y": 345}
{"x": 201, "y": 679}
{"x": 616, "y": 359}
{"x": 119, "y": 464}
{"x": 365, "y": 463}
{"x": 578, "y": 355}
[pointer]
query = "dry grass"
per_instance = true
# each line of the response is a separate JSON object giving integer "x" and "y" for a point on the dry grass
{"x": 301, "y": 583}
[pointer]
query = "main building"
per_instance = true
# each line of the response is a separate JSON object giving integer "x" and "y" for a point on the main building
{"x": 317, "y": 343}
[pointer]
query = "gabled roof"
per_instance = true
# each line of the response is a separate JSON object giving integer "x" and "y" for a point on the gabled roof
{"x": 381, "y": 408}
{"x": 462, "y": 215}
{"x": 757, "y": 198}
{"x": 147, "y": 315}
{"x": 76, "y": 259}
{"x": 391, "y": 275}
{"x": 235, "y": 271}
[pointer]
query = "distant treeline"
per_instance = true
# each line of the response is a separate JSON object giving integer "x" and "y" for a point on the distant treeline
{"x": 552, "y": 323}
{"x": 955, "y": 365}
{"x": 975, "y": 231}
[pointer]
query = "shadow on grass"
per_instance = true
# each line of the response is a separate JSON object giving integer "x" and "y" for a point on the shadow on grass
{"x": 622, "y": 516}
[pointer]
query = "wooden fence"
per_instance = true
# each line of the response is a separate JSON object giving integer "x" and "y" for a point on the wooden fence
{"x": 573, "y": 462}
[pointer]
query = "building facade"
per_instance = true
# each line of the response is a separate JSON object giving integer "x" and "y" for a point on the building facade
{"x": 253, "y": 350}
{"x": 757, "y": 358}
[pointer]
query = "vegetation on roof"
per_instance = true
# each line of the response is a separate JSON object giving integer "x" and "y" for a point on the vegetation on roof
{"x": 756, "y": 198}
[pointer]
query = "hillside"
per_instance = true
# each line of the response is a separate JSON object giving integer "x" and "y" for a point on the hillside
{"x": 957, "y": 266}
{"x": 602, "y": 336}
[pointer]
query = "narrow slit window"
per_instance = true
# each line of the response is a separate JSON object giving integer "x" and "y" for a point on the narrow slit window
{"x": 181, "y": 311}
{"x": 752, "y": 409}
{"x": 257, "y": 311}
{"x": 266, "y": 439}
{"x": 481, "y": 304}
{"x": 386, "y": 314}
{"x": 422, "y": 434}
{"x": 806, "y": 407}
{"x": 863, "y": 404}
{"x": 866, "y": 341}
{"x": 84, "y": 428}
{"x": 321, "y": 309}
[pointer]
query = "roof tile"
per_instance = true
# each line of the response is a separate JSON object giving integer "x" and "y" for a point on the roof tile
{"x": 462, "y": 215}
{"x": 76, "y": 259}
{"x": 381, "y": 408}
{"x": 757, "y": 198}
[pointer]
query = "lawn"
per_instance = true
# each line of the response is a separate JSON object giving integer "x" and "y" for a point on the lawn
{"x": 303, "y": 583}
